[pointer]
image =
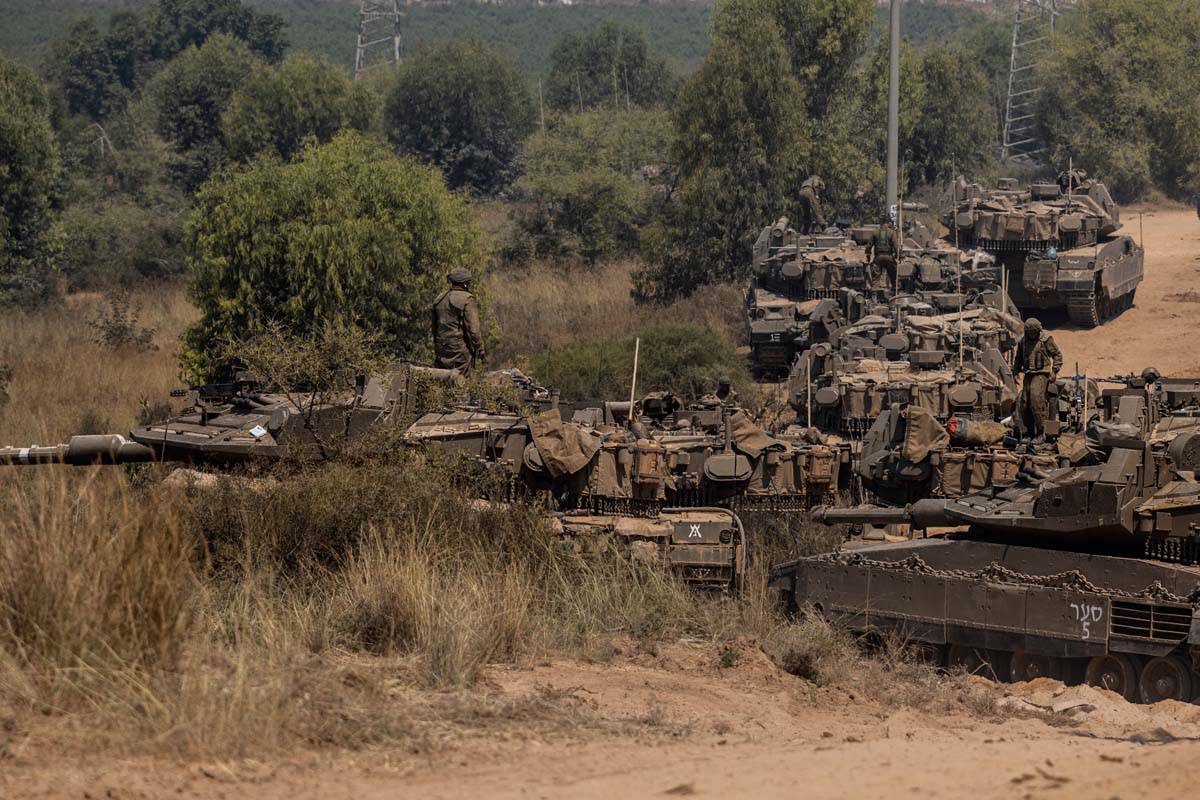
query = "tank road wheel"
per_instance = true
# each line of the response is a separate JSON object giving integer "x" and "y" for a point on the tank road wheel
{"x": 1084, "y": 309}
{"x": 1165, "y": 678}
{"x": 1027, "y": 666}
{"x": 1116, "y": 672}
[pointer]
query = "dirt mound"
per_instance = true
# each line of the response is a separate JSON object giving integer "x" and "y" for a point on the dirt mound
{"x": 1102, "y": 713}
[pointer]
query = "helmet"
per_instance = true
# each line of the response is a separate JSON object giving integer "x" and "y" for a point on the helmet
{"x": 459, "y": 276}
{"x": 1033, "y": 326}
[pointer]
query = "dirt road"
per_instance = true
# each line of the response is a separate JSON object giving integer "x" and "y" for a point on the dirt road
{"x": 1160, "y": 330}
{"x": 678, "y": 725}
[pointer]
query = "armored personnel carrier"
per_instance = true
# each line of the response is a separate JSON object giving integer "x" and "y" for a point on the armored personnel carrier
{"x": 1059, "y": 242}
{"x": 1086, "y": 572}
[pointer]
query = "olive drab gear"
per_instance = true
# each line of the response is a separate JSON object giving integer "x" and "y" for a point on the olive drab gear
{"x": 1037, "y": 354}
{"x": 457, "y": 334}
{"x": 1037, "y": 359}
{"x": 811, "y": 218}
{"x": 883, "y": 248}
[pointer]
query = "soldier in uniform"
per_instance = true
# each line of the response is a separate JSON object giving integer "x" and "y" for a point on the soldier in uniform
{"x": 725, "y": 395}
{"x": 811, "y": 217}
{"x": 1037, "y": 363}
{"x": 1196, "y": 203}
{"x": 457, "y": 335}
{"x": 883, "y": 248}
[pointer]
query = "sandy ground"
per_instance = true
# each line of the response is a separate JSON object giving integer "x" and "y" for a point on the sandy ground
{"x": 1157, "y": 331}
{"x": 677, "y": 724}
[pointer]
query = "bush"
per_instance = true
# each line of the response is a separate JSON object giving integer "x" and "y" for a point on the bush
{"x": 464, "y": 108}
{"x": 685, "y": 359}
{"x": 118, "y": 242}
{"x": 591, "y": 180}
{"x": 349, "y": 234}
{"x": 305, "y": 98}
{"x": 117, "y": 327}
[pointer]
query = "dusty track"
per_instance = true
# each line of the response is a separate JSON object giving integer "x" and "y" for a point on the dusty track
{"x": 1157, "y": 331}
{"x": 676, "y": 724}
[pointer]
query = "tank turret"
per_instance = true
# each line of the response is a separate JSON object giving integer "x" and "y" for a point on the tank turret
{"x": 1059, "y": 243}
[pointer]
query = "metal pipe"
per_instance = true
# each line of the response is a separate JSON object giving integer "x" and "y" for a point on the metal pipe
{"x": 893, "y": 146}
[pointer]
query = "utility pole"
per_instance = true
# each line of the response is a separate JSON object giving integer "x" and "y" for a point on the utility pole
{"x": 893, "y": 144}
{"x": 378, "y": 35}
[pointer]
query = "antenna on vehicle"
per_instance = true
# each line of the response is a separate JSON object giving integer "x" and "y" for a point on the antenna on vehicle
{"x": 1070, "y": 179}
{"x": 637, "y": 345}
{"x": 808, "y": 389}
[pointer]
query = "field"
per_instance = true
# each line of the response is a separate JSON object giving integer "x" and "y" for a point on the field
{"x": 358, "y": 631}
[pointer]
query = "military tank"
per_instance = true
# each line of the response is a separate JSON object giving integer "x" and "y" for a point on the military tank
{"x": 1084, "y": 573}
{"x": 952, "y": 364}
{"x": 783, "y": 315}
{"x": 804, "y": 288}
{"x": 245, "y": 421}
{"x": 668, "y": 482}
{"x": 1060, "y": 243}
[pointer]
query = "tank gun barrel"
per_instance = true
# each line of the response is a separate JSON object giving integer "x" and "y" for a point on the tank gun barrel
{"x": 927, "y": 513}
{"x": 108, "y": 448}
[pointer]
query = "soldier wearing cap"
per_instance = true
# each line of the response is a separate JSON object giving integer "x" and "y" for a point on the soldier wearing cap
{"x": 457, "y": 334}
{"x": 883, "y": 248}
{"x": 1037, "y": 363}
{"x": 811, "y": 217}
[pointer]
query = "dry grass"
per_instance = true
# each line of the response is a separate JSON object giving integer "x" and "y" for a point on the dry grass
{"x": 315, "y": 609}
{"x": 547, "y": 306}
{"x": 61, "y": 378}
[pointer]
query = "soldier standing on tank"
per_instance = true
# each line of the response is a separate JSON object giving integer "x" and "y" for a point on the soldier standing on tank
{"x": 457, "y": 335}
{"x": 811, "y": 217}
{"x": 1037, "y": 363}
{"x": 882, "y": 250}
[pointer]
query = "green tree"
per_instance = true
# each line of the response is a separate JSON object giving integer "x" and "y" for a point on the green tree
{"x": 465, "y": 108}
{"x": 188, "y": 98}
{"x": 179, "y": 24}
{"x": 739, "y": 146}
{"x": 590, "y": 181}
{"x": 683, "y": 358}
{"x": 955, "y": 129}
{"x": 348, "y": 234}
{"x": 277, "y": 108}
{"x": 609, "y": 66}
{"x": 83, "y": 67}
{"x": 1120, "y": 94}
{"x": 825, "y": 38}
{"x": 29, "y": 185}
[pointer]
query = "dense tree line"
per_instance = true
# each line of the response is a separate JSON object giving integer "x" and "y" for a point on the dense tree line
{"x": 192, "y": 109}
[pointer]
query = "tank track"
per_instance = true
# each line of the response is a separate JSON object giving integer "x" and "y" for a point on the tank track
{"x": 1090, "y": 309}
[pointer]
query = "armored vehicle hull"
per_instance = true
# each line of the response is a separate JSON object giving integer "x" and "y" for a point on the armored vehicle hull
{"x": 1059, "y": 243}
{"x": 1092, "y": 284}
{"x": 1125, "y": 624}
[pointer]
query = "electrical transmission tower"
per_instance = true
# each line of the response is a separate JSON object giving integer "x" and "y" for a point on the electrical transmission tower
{"x": 378, "y": 35}
{"x": 1033, "y": 31}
